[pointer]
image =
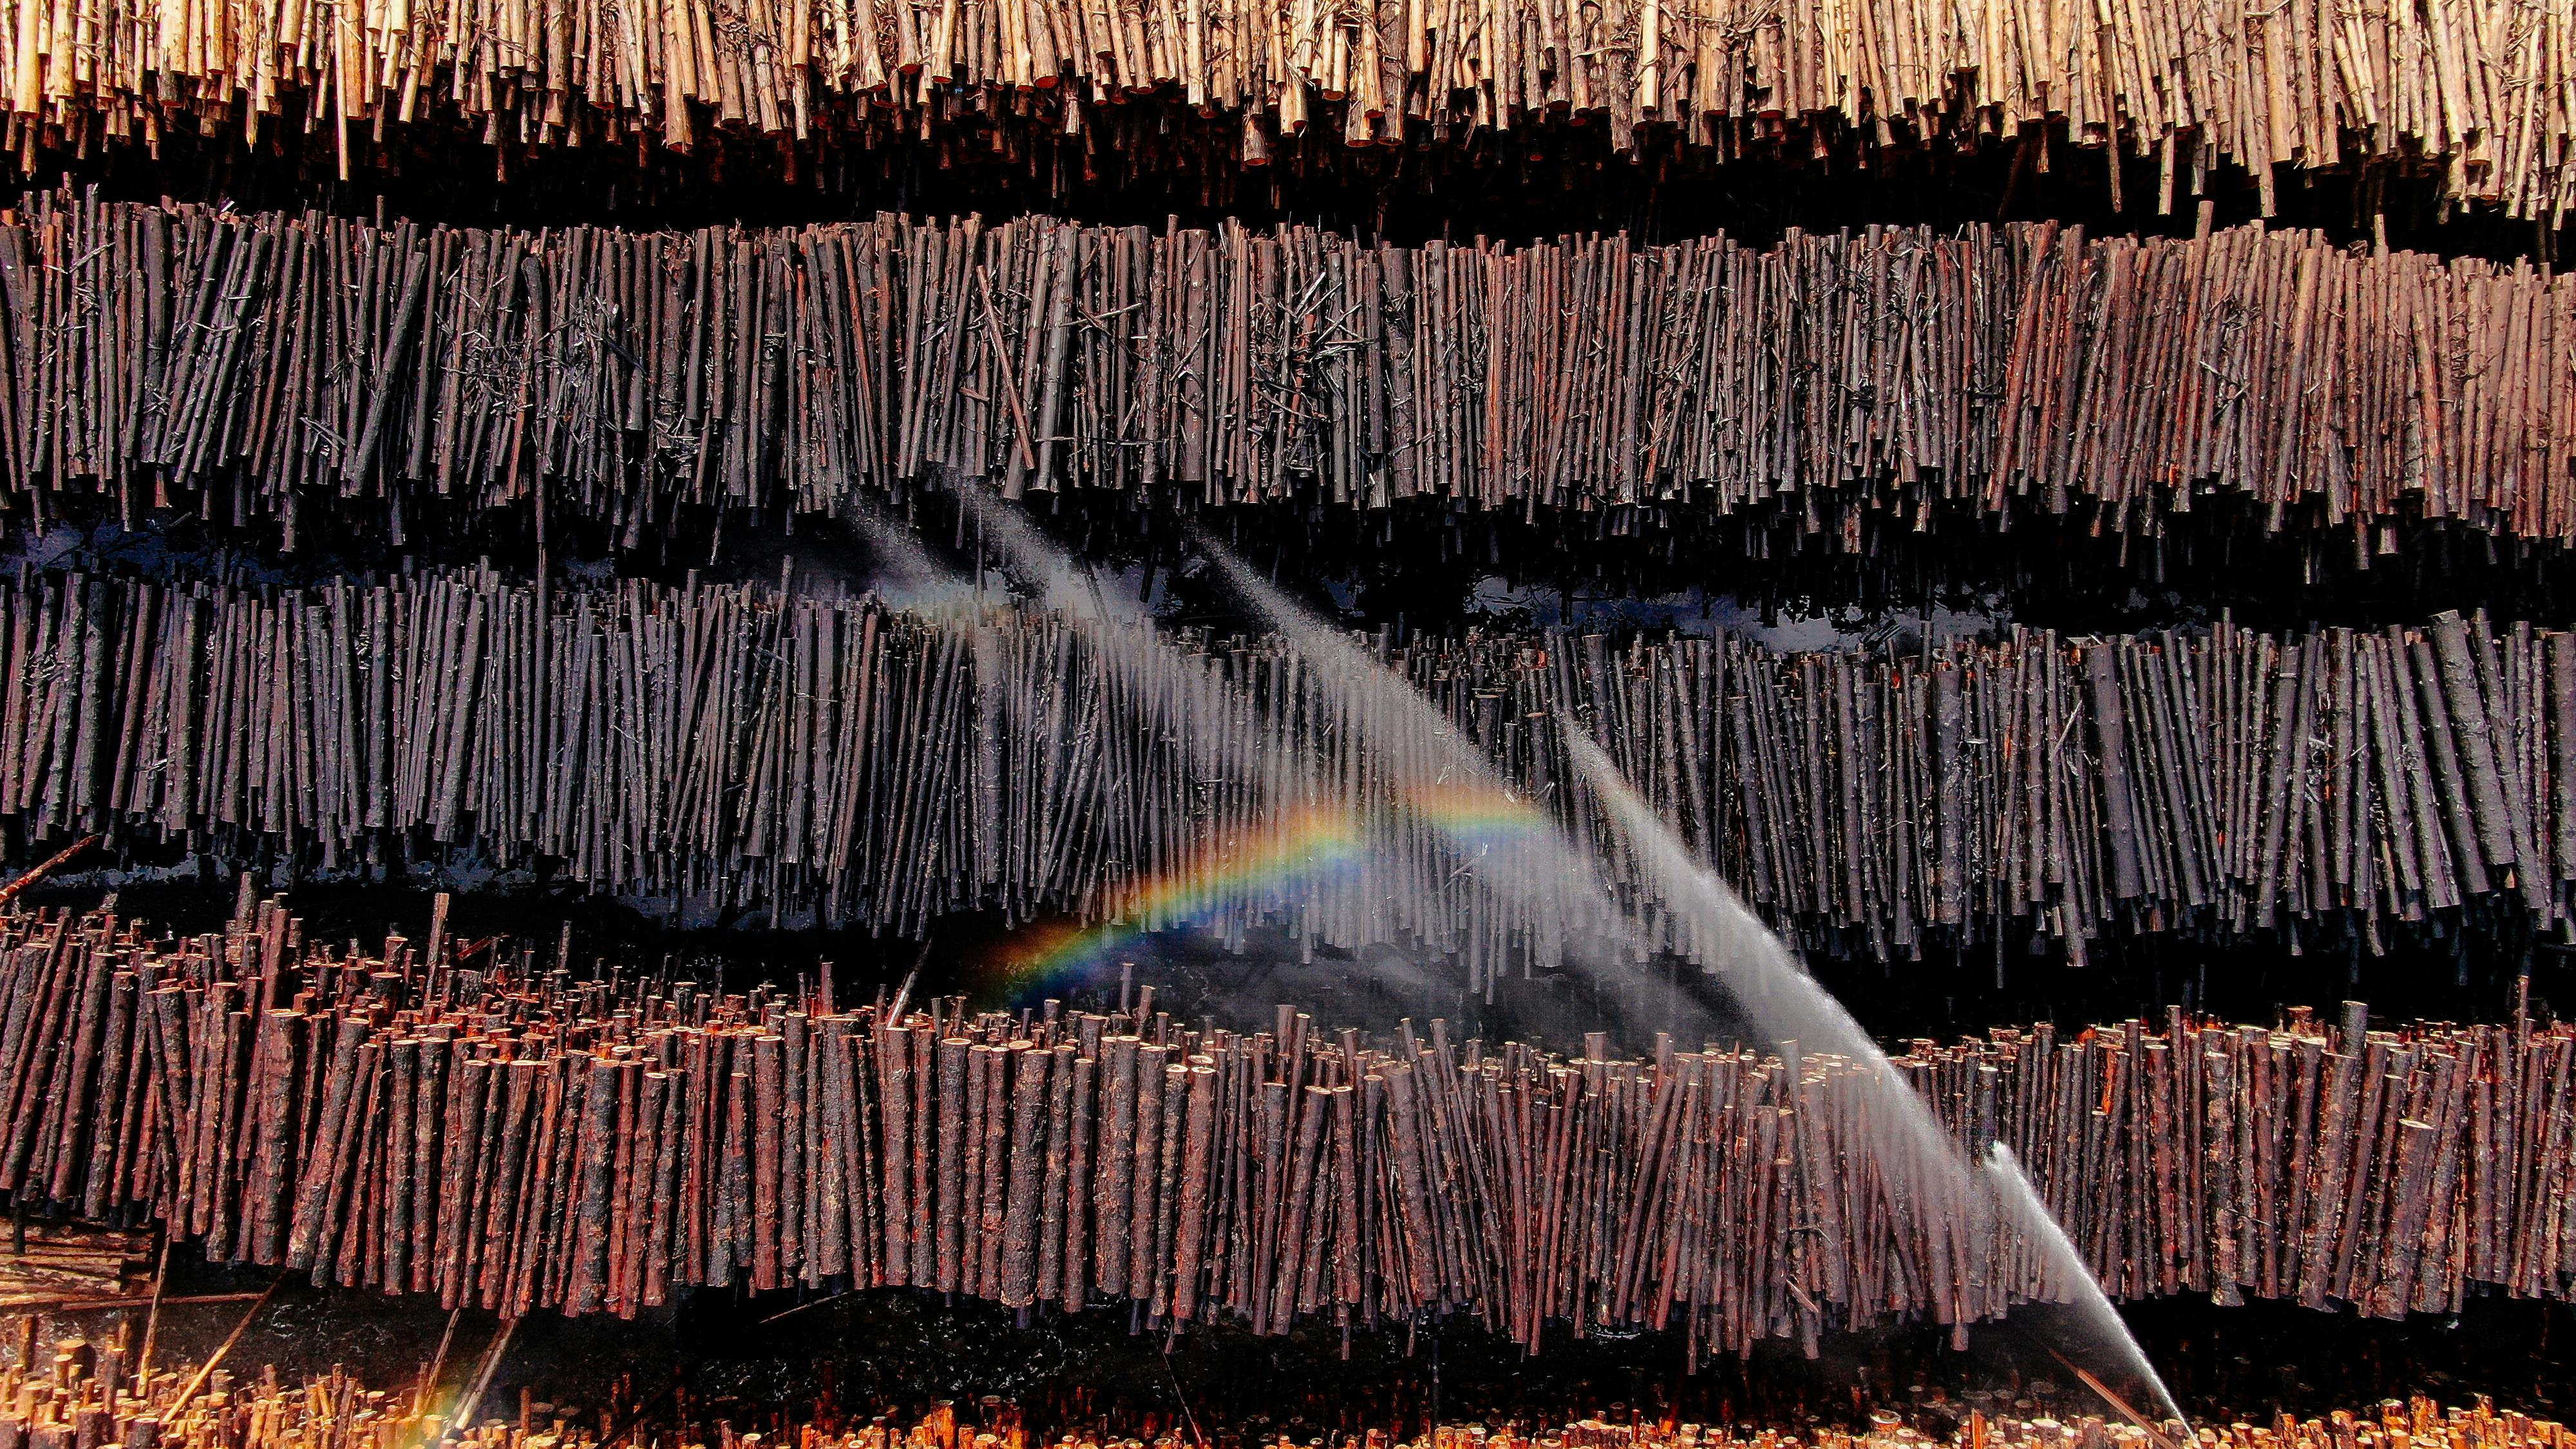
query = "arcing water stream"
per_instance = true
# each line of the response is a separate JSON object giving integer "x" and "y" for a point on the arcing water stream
{"x": 1787, "y": 1003}
{"x": 1404, "y": 766}
{"x": 1795, "y": 1009}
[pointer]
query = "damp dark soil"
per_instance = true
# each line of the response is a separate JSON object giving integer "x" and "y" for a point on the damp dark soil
{"x": 757, "y": 1361}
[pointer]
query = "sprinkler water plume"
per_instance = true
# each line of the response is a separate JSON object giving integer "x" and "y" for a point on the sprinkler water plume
{"x": 1794, "y": 1008}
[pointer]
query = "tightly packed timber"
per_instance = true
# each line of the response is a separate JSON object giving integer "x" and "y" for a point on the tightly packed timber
{"x": 832, "y": 759}
{"x": 251, "y": 367}
{"x": 2475, "y": 85}
{"x": 514, "y": 1139}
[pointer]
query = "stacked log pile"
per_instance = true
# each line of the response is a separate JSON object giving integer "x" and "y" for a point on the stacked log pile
{"x": 837, "y": 760}
{"x": 2477, "y": 86}
{"x": 257, "y": 368}
{"x": 515, "y": 1139}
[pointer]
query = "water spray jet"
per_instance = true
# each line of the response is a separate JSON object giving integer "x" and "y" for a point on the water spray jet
{"x": 1796, "y": 1009}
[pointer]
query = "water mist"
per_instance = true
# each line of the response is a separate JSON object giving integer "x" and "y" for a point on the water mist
{"x": 1546, "y": 889}
{"x": 1328, "y": 883}
{"x": 1787, "y": 1004}
{"x": 1797, "y": 1010}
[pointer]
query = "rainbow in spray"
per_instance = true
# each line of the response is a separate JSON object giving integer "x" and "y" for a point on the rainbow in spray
{"x": 1474, "y": 815}
{"x": 1298, "y": 847}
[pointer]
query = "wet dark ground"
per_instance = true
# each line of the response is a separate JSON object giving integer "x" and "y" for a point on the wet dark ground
{"x": 758, "y": 1361}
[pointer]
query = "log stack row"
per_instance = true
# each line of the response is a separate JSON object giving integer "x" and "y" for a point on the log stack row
{"x": 836, "y": 760}
{"x": 511, "y": 1138}
{"x": 260, "y": 368}
{"x": 2478, "y": 86}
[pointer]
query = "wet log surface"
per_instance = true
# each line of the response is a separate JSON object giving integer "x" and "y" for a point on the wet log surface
{"x": 396, "y": 1120}
{"x": 833, "y": 760}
